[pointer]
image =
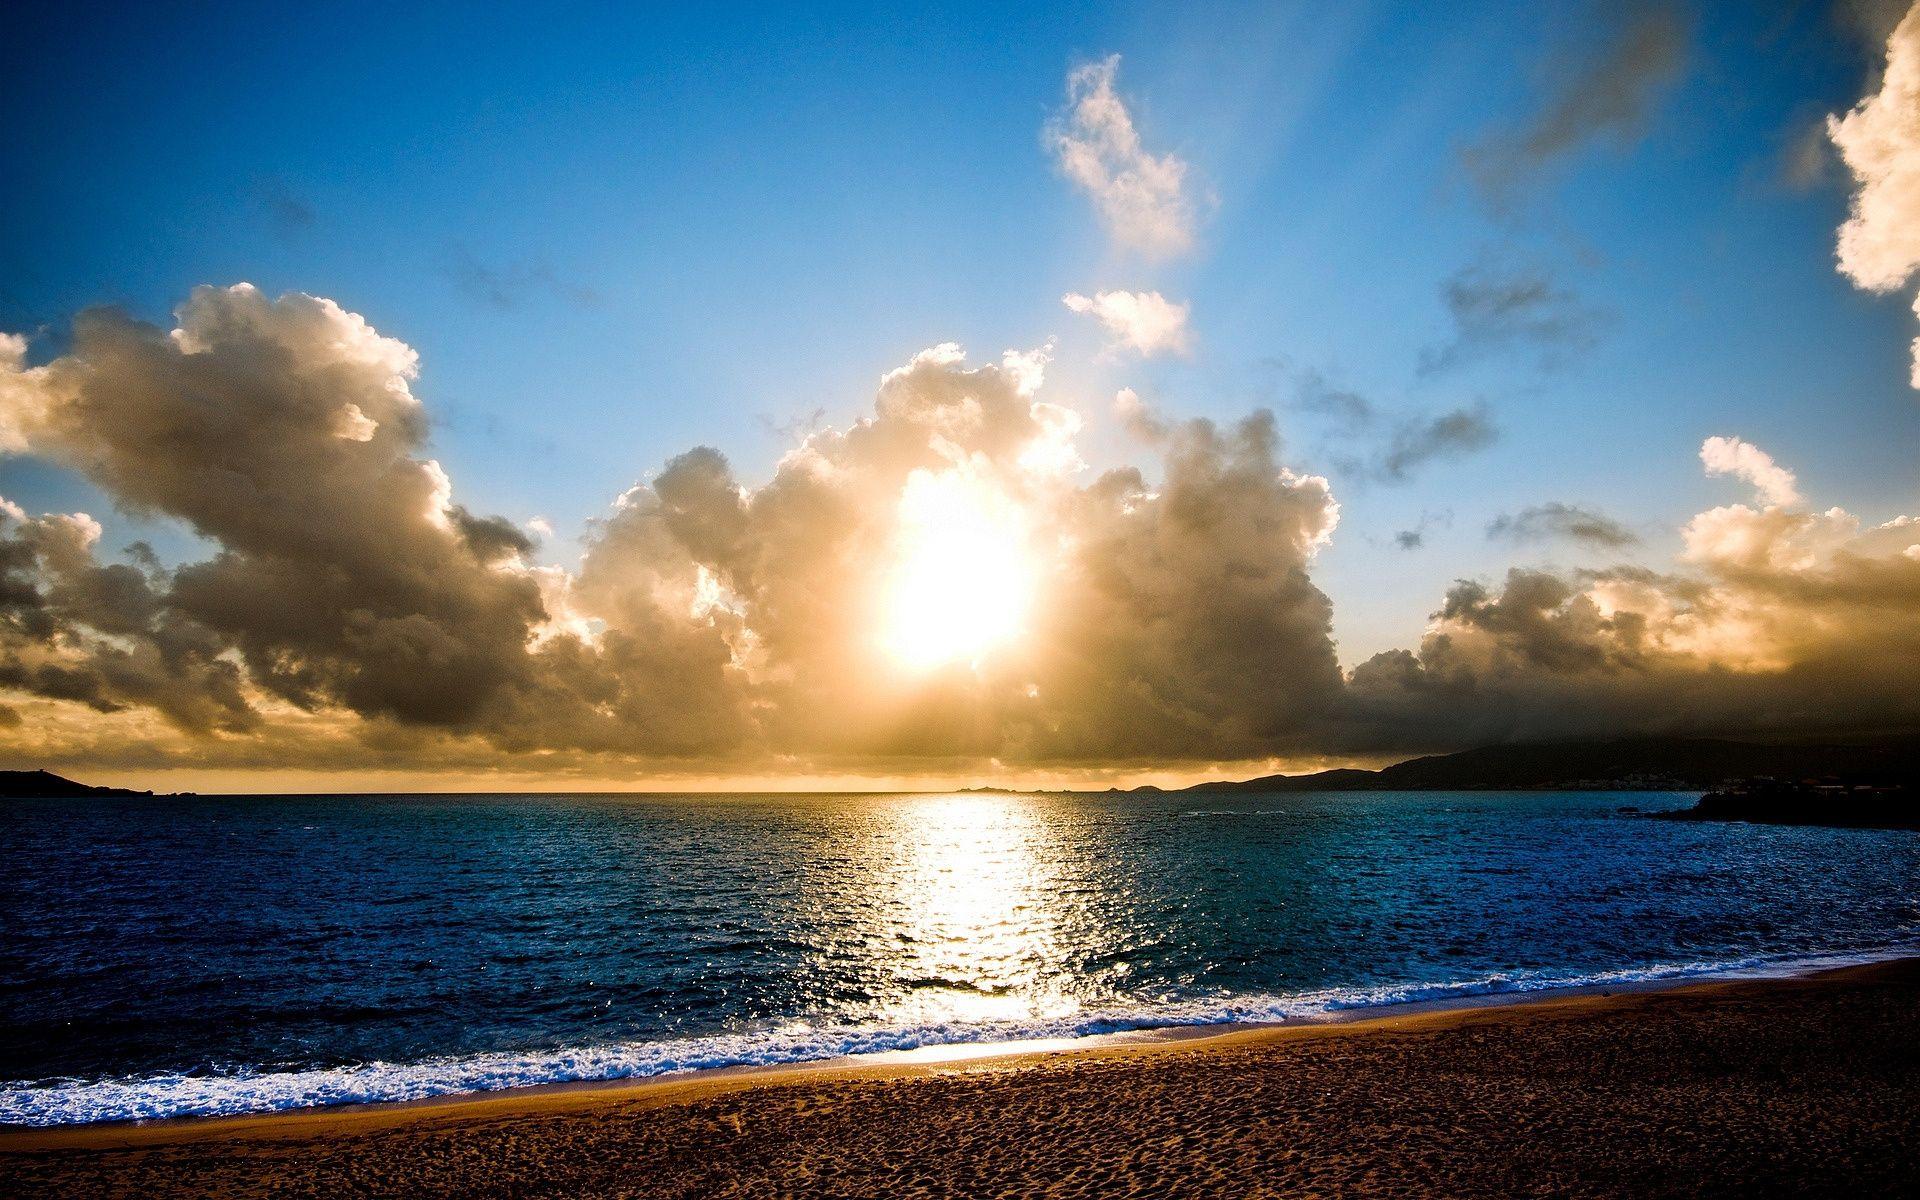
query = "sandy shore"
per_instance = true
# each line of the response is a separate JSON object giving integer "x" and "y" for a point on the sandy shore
{"x": 1805, "y": 1086}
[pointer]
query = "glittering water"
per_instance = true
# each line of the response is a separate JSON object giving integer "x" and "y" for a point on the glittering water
{"x": 165, "y": 957}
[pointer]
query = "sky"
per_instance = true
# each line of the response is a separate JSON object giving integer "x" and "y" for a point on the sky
{"x": 1498, "y": 274}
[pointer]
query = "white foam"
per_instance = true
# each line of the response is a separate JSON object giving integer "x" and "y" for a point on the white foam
{"x": 73, "y": 1102}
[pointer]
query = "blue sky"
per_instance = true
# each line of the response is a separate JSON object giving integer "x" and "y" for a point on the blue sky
{"x": 613, "y": 234}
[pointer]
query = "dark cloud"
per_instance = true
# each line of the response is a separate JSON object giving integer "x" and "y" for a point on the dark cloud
{"x": 1420, "y": 441}
{"x": 284, "y": 432}
{"x": 101, "y": 635}
{"x": 1498, "y": 307}
{"x": 1872, "y": 21}
{"x": 1544, "y": 522}
{"x": 795, "y": 428}
{"x": 1416, "y": 537}
{"x": 1604, "y": 90}
{"x": 1314, "y": 393}
{"x": 507, "y": 286}
{"x": 1380, "y": 444}
{"x": 289, "y": 213}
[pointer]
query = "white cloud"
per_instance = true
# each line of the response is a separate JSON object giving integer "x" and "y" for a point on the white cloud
{"x": 354, "y": 425}
{"x": 1141, "y": 197}
{"x": 1744, "y": 460}
{"x": 1145, "y": 322}
{"x": 1879, "y": 244}
{"x": 1138, "y": 417}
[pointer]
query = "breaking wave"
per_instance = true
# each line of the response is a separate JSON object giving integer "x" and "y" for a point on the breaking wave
{"x": 73, "y": 1101}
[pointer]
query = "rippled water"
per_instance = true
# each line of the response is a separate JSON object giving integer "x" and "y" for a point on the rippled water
{"x": 216, "y": 955}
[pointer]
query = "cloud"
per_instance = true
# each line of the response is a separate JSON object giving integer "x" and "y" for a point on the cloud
{"x": 1138, "y": 417}
{"x": 99, "y": 636}
{"x": 1144, "y": 322}
{"x": 1416, "y": 538}
{"x": 508, "y": 286}
{"x": 1781, "y": 623}
{"x": 1879, "y": 140}
{"x": 351, "y": 596}
{"x": 1141, "y": 198}
{"x": 1498, "y": 307}
{"x": 1609, "y": 91}
{"x": 1450, "y": 435}
{"x": 1400, "y": 445}
{"x": 285, "y": 431}
{"x": 352, "y": 611}
{"x": 1314, "y": 393}
{"x": 1806, "y": 155}
{"x": 289, "y": 213}
{"x": 1544, "y": 522}
{"x": 1872, "y": 21}
{"x": 1744, "y": 460}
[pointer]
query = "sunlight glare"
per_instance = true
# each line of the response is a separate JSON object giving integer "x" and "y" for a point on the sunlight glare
{"x": 964, "y": 580}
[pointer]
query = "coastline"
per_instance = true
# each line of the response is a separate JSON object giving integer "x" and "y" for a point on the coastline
{"x": 786, "y": 1093}
{"x": 934, "y": 1049}
{"x": 1805, "y": 1081}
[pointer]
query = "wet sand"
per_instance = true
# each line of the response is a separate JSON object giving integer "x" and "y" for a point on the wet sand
{"x": 1801, "y": 1086}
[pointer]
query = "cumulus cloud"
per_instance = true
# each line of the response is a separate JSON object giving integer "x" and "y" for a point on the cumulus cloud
{"x": 1608, "y": 90}
{"x": 1879, "y": 140}
{"x": 1498, "y": 307}
{"x": 1744, "y": 460}
{"x": 1170, "y": 618}
{"x": 1145, "y": 322}
{"x": 1780, "y": 623}
{"x": 709, "y": 620}
{"x": 1544, "y": 522}
{"x": 1141, "y": 197}
{"x": 352, "y": 611}
{"x": 100, "y": 636}
{"x": 1138, "y": 417}
{"x": 285, "y": 431}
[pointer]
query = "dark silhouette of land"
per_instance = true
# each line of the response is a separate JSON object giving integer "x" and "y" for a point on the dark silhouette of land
{"x": 1827, "y": 802}
{"x": 1630, "y": 764}
{"x": 47, "y": 785}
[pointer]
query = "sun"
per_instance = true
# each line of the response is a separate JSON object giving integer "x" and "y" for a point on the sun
{"x": 963, "y": 580}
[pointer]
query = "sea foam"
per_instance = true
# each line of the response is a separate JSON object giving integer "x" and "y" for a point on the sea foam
{"x": 76, "y": 1101}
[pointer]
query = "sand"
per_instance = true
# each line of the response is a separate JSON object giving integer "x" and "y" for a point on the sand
{"x": 1803, "y": 1086}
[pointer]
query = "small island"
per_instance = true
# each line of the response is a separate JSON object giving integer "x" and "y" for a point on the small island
{"x": 1834, "y": 803}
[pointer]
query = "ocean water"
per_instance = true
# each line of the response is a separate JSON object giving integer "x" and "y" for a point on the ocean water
{"x": 173, "y": 957}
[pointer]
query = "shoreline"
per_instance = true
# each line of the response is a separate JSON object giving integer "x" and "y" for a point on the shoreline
{"x": 1806, "y": 1084}
{"x": 1011, "y": 1054}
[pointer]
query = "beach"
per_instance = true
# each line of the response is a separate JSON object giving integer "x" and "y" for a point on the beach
{"x": 1801, "y": 1085}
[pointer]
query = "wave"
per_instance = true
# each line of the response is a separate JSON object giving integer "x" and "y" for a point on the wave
{"x": 149, "y": 1097}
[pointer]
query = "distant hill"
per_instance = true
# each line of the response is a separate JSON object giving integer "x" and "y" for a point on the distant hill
{"x": 1654, "y": 763}
{"x": 47, "y": 785}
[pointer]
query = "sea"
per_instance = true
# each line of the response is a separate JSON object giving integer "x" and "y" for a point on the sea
{"x": 173, "y": 957}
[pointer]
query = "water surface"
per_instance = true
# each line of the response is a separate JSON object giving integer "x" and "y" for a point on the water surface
{"x": 168, "y": 957}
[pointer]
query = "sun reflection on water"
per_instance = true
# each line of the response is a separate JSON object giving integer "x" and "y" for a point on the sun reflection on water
{"x": 973, "y": 912}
